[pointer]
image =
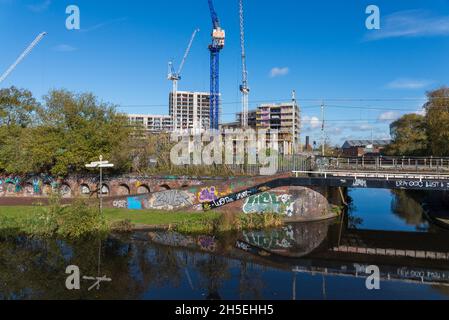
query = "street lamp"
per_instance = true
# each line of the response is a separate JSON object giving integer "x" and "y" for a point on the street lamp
{"x": 100, "y": 164}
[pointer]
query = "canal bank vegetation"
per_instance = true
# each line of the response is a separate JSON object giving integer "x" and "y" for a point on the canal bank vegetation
{"x": 81, "y": 219}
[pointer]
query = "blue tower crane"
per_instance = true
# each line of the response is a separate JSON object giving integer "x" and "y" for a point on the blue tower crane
{"x": 218, "y": 41}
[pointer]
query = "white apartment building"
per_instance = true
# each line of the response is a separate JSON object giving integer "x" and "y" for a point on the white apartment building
{"x": 151, "y": 123}
{"x": 190, "y": 110}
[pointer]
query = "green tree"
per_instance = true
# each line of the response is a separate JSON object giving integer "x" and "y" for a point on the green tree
{"x": 77, "y": 128}
{"x": 18, "y": 117}
{"x": 437, "y": 119}
{"x": 18, "y": 108}
{"x": 409, "y": 136}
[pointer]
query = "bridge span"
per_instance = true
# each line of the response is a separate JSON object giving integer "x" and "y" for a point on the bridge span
{"x": 341, "y": 179}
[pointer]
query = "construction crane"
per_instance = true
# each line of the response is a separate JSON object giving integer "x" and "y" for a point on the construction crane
{"x": 218, "y": 41}
{"x": 23, "y": 55}
{"x": 244, "y": 89}
{"x": 175, "y": 77}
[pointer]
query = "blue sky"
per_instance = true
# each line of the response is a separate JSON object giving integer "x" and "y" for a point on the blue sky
{"x": 321, "y": 49}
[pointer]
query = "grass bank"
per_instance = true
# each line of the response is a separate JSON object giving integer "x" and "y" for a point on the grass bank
{"x": 69, "y": 221}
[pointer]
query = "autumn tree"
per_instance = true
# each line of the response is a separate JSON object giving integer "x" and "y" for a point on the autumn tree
{"x": 409, "y": 136}
{"x": 437, "y": 120}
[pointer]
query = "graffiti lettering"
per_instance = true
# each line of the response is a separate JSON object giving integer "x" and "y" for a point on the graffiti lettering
{"x": 207, "y": 194}
{"x": 120, "y": 204}
{"x": 171, "y": 199}
{"x": 360, "y": 183}
{"x": 220, "y": 202}
{"x": 269, "y": 203}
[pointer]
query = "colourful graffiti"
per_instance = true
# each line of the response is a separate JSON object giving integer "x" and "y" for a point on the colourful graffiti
{"x": 269, "y": 203}
{"x": 208, "y": 194}
{"x": 220, "y": 202}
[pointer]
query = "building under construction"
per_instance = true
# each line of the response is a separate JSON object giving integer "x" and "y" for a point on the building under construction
{"x": 192, "y": 110}
{"x": 283, "y": 117}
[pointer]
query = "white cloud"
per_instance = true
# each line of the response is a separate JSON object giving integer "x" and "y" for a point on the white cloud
{"x": 388, "y": 116}
{"x": 64, "y": 48}
{"x": 279, "y": 72}
{"x": 312, "y": 122}
{"x": 39, "y": 7}
{"x": 409, "y": 84}
{"x": 410, "y": 23}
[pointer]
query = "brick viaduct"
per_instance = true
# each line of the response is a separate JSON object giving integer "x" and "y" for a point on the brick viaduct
{"x": 88, "y": 186}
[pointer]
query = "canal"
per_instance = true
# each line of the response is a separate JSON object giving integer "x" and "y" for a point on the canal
{"x": 297, "y": 261}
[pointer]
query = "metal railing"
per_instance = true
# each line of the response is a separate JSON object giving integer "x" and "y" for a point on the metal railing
{"x": 367, "y": 174}
{"x": 383, "y": 163}
{"x": 284, "y": 164}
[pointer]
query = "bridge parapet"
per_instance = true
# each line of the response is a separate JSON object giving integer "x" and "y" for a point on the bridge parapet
{"x": 384, "y": 163}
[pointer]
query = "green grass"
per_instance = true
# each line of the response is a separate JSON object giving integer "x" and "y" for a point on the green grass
{"x": 18, "y": 217}
{"x": 156, "y": 217}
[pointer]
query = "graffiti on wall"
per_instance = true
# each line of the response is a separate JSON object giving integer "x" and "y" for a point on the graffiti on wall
{"x": 220, "y": 202}
{"x": 269, "y": 203}
{"x": 14, "y": 185}
{"x": 171, "y": 199}
{"x": 208, "y": 194}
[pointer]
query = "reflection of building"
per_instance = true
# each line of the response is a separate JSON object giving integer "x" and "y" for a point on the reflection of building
{"x": 358, "y": 148}
{"x": 151, "y": 123}
{"x": 190, "y": 110}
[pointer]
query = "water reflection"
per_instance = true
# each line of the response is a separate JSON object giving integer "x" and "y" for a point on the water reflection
{"x": 308, "y": 260}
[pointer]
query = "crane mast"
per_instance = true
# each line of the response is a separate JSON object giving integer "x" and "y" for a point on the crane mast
{"x": 175, "y": 77}
{"x": 244, "y": 89}
{"x": 218, "y": 41}
{"x": 23, "y": 56}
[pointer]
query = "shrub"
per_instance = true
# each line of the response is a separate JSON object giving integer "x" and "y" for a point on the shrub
{"x": 74, "y": 221}
{"x": 122, "y": 226}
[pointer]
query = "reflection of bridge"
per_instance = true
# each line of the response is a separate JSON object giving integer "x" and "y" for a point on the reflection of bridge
{"x": 406, "y": 256}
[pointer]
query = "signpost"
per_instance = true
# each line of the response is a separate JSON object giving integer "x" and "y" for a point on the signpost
{"x": 100, "y": 164}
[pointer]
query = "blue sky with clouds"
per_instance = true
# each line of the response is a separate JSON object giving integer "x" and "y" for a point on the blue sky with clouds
{"x": 321, "y": 49}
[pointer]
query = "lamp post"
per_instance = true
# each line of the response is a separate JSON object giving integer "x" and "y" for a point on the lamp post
{"x": 100, "y": 164}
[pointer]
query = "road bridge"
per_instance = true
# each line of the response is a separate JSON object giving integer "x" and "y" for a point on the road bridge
{"x": 324, "y": 179}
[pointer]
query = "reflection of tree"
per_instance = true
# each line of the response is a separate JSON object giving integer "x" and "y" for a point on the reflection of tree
{"x": 441, "y": 289}
{"x": 250, "y": 283}
{"x": 353, "y": 221}
{"x": 35, "y": 269}
{"x": 213, "y": 271}
{"x": 167, "y": 267}
{"x": 406, "y": 205}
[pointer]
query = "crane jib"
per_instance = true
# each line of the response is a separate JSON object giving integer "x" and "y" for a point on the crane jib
{"x": 214, "y": 16}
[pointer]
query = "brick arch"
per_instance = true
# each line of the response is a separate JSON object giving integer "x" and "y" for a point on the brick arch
{"x": 65, "y": 190}
{"x": 85, "y": 190}
{"x": 28, "y": 189}
{"x": 122, "y": 190}
{"x": 105, "y": 189}
{"x": 164, "y": 187}
{"x": 143, "y": 189}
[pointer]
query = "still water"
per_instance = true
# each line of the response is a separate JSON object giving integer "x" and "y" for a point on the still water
{"x": 298, "y": 261}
